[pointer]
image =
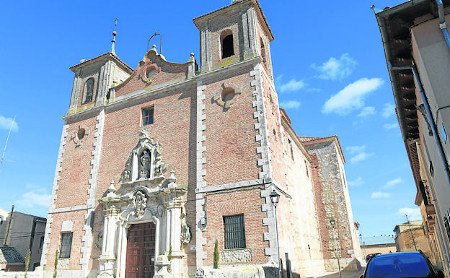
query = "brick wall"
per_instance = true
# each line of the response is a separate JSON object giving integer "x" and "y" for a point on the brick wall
{"x": 247, "y": 202}
{"x": 230, "y": 133}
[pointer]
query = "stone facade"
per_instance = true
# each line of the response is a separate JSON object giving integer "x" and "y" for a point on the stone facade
{"x": 215, "y": 146}
{"x": 338, "y": 230}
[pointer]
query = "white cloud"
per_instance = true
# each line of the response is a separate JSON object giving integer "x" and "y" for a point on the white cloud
{"x": 355, "y": 149}
{"x": 380, "y": 195}
{"x": 366, "y": 112}
{"x": 356, "y": 182}
{"x": 336, "y": 68}
{"x": 390, "y": 126}
{"x": 388, "y": 110}
{"x": 360, "y": 157}
{"x": 352, "y": 97}
{"x": 358, "y": 153}
{"x": 7, "y": 123}
{"x": 35, "y": 199}
{"x": 413, "y": 213}
{"x": 291, "y": 104}
{"x": 292, "y": 85}
{"x": 393, "y": 183}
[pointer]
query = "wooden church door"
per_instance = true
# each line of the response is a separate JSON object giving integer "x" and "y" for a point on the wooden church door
{"x": 141, "y": 251}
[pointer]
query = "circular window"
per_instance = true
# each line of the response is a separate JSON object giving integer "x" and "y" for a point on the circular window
{"x": 81, "y": 133}
{"x": 150, "y": 72}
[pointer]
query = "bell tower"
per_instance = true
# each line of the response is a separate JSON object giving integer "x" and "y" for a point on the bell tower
{"x": 234, "y": 34}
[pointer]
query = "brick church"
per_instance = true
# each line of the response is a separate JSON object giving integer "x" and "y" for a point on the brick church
{"x": 168, "y": 169}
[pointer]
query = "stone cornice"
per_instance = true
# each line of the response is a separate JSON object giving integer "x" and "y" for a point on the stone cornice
{"x": 141, "y": 94}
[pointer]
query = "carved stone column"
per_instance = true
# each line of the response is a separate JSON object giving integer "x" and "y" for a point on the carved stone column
{"x": 172, "y": 261}
{"x": 107, "y": 260}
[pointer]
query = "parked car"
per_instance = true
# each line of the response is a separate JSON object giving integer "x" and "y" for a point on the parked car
{"x": 401, "y": 265}
{"x": 370, "y": 256}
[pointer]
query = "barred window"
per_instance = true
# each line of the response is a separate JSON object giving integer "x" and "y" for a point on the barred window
{"x": 148, "y": 116}
{"x": 447, "y": 225}
{"x": 234, "y": 231}
{"x": 66, "y": 245}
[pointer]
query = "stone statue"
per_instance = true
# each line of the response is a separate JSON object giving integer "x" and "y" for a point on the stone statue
{"x": 145, "y": 165}
{"x": 185, "y": 230}
{"x": 140, "y": 204}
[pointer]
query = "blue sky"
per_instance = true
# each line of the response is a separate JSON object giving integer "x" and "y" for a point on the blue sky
{"x": 328, "y": 61}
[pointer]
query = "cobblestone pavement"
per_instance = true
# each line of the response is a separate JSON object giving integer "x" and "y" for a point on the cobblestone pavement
{"x": 345, "y": 274}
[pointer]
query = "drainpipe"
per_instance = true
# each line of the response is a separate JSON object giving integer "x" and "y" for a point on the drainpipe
{"x": 443, "y": 23}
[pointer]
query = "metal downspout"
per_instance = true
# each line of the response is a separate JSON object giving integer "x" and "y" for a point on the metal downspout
{"x": 442, "y": 22}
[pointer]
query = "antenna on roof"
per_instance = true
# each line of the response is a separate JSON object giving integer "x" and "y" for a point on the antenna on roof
{"x": 7, "y": 139}
{"x": 114, "y": 33}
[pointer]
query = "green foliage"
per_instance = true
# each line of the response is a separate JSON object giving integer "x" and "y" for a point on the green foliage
{"x": 216, "y": 255}
{"x": 27, "y": 262}
{"x": 55, "y": 271}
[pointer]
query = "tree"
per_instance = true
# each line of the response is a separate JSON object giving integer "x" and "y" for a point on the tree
{"x": 216, "y": 255}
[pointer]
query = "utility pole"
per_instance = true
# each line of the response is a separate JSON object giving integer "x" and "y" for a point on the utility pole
{"x": 5, "y": 242}
{"x": 410, "y": 232}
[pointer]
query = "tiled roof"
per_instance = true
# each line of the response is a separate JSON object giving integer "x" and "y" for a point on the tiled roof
{"x": 9, "y": 255}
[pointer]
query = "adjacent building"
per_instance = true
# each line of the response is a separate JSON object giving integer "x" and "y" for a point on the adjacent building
{"x": 21, "y": 233}
{"x": 169, "y": 169}
{"x": 417, "y": 49}
{"x": 410, "y": 236}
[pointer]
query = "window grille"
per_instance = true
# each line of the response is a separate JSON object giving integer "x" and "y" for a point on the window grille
{"x": 447, "y": 225}
{"x": 234, "y": 231}
{"x": 148, "y": 116}
{"x": 66, "y": 245}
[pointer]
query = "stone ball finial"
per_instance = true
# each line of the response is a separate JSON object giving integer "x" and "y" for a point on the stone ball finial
{"x": 112, "y": 187}
{"x": 172, "y": 176}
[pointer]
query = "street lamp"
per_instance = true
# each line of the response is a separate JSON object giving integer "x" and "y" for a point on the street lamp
{"x": 333, "y": 223}
{"x": 275, "y": 198}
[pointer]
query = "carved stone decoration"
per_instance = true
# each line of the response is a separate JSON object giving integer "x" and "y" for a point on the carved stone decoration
{"x": 226, "y": 97}
{"x": 63, "y": 263}
{"x": 185, "y": 231}
{"x": 236, "y": 256}
{"x": 139, "y": 204}
{"x": 145, "y": 165}
{"x": 148, "y": 72}
{"x": 145, "y": 161}
{"x": 79, "y": 136}
{"x": 199, "y": 273}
